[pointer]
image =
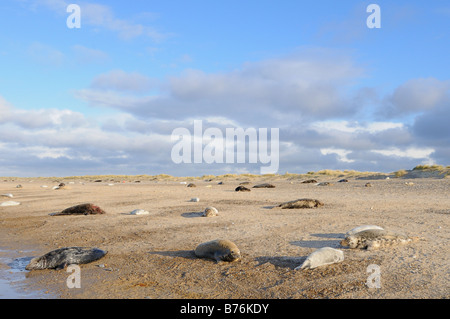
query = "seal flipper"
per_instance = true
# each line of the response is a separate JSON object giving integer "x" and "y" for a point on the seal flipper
{"x": 61, "y": 266}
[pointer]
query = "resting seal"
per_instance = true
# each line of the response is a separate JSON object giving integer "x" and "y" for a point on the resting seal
{"x": 301, "y": 203}
{"x": 83, "y": 209}
{"x": 210, "y": 212}
{"x": 242, "y": 189}
{"x": 321, "y": 257}
{"x": 60, "y": 258}
{"x": 219, "y": 250}
{"x": 372, "y": 239}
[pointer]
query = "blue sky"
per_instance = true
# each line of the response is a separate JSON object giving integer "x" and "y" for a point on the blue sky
{"x": 104, "y": 99}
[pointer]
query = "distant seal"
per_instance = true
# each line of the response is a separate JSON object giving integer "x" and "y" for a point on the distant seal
{"x": 301, "y": 203}
{"x": 309, "y": 181}
{"x": 372, "y": 239}
{"x": 219, "y": 250}
{"x": 361, "y": 228}
{"x": 343, "y": 181}
{"x": 265, "y": 185}
{"x": 368, "y": 185}
{"x": 325, "y": 184}
{"x": 191, "y": 185}
{"x": 321, "y": 257}
{"x": 242, "y": 189}
{"x": 83, "y": 209}
{"x": 210, "y": 212}
{"x": 60, "y": 258}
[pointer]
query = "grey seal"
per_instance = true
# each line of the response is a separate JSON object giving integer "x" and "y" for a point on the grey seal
{"x": 321, "y": 257}
{"x": 301, "y": 203}
{"x": 60, "y": 258}
{"x": 83, "y": 209}
{"x": 372, "y": 239}
{"x": 219, "y": 250}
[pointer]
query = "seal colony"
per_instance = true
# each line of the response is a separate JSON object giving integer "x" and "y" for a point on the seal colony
{"x": 367, "y": 237}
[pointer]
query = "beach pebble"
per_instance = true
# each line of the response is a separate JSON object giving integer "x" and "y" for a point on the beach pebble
{"x": 11, "y": 203}
{"x": 139, "y": 212}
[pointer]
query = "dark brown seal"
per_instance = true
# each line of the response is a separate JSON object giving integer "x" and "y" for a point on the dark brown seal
{"x": 60, "y": 258}
{"x": 242, "y": 189}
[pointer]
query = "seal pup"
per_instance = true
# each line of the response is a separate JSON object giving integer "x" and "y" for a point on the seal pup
{"x": 83, "y": 209}
{"x": 301, "y": 203}
{"x": 321, "y": 257}
{"x": 139, "y": 212}
{"x": 361, "y": 228}
{"x": 60, "y": 258}
{"x": 372, "y": 239}
{"x": 218, "y": 250}
{"x": 7, "y": 195}
{"x": 242, "y": 189}
{"x": 210, "y": 212}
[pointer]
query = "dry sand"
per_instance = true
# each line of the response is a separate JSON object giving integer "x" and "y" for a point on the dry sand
{"x": 151, "y": 256}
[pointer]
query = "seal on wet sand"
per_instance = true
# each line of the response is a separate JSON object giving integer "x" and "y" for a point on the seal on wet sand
{"x": 301, "y": 203}
{"x": 219, "y": 250}
{"x": 83, "y": 209}
{"x": 321, "y": 257}
{"x": 60, "y": 258}
{"x": 210, "y": 212}
{"x": 372, "y": 239}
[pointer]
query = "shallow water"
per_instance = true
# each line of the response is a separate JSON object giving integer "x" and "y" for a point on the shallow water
{"x": 13, "y": 282}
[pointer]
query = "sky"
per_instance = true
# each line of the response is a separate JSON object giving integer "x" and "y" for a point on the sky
{"x": 106, "y": 97}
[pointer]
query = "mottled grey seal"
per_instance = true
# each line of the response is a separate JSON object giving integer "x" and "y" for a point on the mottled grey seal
{"x": 242, "y": 189}
{"x": 372, "y": 239}
{"x": 309, "y": 181}
{"x": 325, "y": 184}
{"x": 210, "y": 212}
{"x": 83, "y": 209}
{"x": 301, "y": 203}
{"x": 219, "y": 250}
{"x": 265, "y": 185}
{"x": 321, "y": 257}
{"x": 60, "y": 258}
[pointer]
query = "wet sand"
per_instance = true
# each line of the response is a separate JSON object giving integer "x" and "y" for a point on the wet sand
{"x": 151, "y": 256}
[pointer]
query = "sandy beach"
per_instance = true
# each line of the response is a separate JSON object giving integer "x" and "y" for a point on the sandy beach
{"x": 151, "y": 256}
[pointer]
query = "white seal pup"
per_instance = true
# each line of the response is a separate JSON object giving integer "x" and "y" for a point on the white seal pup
{"x": 139, "y": 212}
{"x": 372, "y": 239}
{"x": 219, "y": 250}
{"x": 361, "y": 228}
{"x": 60, "y": 258}
{"x": 210, "y": 212}
{"x": 10, "y": 203}
{"x": 321, "y": 257}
